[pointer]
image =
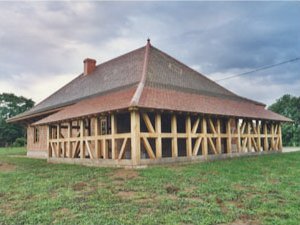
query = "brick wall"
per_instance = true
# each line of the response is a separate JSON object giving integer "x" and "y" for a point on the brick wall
{"x": 41, "y": 145}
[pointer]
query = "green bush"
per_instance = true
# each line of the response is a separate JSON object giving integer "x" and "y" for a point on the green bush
{"x": 20, "y": 142}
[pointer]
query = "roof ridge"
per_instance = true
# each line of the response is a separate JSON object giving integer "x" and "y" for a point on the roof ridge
{"x": 138, "y": 92}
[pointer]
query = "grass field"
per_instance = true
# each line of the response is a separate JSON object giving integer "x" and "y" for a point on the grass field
{"x": 252, "y": 190}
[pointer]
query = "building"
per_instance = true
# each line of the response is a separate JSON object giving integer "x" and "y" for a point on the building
{"x": 145, "y": 108}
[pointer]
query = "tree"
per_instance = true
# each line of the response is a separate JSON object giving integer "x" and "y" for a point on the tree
{"x": 289, "y": 106}
{"x": 11, "y": 105}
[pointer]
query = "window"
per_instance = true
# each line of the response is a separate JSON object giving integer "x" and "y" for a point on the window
{"x": 36, "y": 135}
{"x": 103, "y": 125}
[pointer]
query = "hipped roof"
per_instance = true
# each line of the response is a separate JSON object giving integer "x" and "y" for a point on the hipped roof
{"x": 146, "y": 78}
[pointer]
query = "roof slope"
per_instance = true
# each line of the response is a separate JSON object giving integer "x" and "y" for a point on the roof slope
{"x": 148, "y": 78}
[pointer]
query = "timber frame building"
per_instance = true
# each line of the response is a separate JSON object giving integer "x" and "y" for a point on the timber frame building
{"x": 145, "y": 108}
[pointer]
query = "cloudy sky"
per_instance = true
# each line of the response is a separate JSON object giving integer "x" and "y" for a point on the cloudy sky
{"x": 43, "y": 44}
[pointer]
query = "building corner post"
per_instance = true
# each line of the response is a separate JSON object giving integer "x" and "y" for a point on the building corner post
{"x": 135, "y": 137}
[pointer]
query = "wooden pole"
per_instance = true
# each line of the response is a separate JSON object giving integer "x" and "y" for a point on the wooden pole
{"x": 266, "y": 143}
{"x": 238, "y": 135}
{"x": 82, "y": 149}
{"x": 69, "y": 155}
{"x": 135, "y": 137}
{"x": 228, "y": 132}
{"x": 204, "y": 141}
{"x": 188, "y": 128}
{"x": 280, "y": 137}
{"x": 113, "y": 140}
{"x": 158, "y": 142}
{"x": 48, "y": 142}
{"x": 258, "y": 136}
{"x": 218, "y": 144}
{"x": 249, "y": 143}
{"x": 96, "y": 133}
{"x": 272, "y": 137}
{"x": 174, "y": 138}
{"x": 58, "y": 137}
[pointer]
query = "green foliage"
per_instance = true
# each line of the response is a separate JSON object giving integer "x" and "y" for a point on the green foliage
{"x": 20, "y": 142}
{"x": 250, "y": 190}
{"x": 289, "y": 106}
{"x": 11, "y": 105}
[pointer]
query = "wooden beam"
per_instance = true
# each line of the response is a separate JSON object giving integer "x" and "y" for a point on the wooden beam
{"x": 266, "y": 143}
{"x": 148, "y": 122}
{"x": 272, "y": 137}
{"x": 69, "y": 142}
{"x": 249, "y": 142}
{"x": 158, "y": 140}
{"x": 48, "y": 142}
{"x": 218, "y": 144}
{"x": 148, "y": 148}
{"x": 58, "y": 143}
{"x": 122, "y": 150}
{"x": 228, "y": 132}
{"x": 212, "y": 145}
{"x": 204, "y": 141}
{"x": 174, "y": 133}
{"x": 212, "y": 126}
{"x": 82, "y": 148}
{"x": 104, "y": 150}
{"x": 135, "y": 137}
{"x": 280, "y": 137}
{"x": 96, "y": 128}
{"x": 195, "y": 126}
{"x": 89, "y": 149}
{"x": 258, "y": 135}
{"x": 196, "y": 146}
{"x": 189, "y": 138}
{"x": 113, "y": 132}
{"x": 238, "y": 135}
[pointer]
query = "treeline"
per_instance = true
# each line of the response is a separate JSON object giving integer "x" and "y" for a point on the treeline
{"x": 289, "y": 106}
{"x": 11, "y": 105}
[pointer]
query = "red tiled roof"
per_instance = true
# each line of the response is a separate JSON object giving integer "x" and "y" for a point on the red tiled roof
{"x": 180, "y": 101}
{"x": 148, "y": 78}
{"x": 108, "y": 102}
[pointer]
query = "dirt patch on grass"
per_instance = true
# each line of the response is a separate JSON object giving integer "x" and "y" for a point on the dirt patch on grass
{"x": 171, "y": 189}
{"x": 5, "y": 167}
{"x": 242, "y": 222}
{"x": 79, "y": 186}
{"x": 121, "y": 175}
{"x": 126, "y": 194}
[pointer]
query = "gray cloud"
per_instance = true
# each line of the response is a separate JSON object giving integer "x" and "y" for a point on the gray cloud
{"x": 44, "y": 43}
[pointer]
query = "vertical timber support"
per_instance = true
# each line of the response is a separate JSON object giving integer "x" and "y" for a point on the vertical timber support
{"x": 272, "y": 137}
{"x": 204, "y": 142}
{"x": 158, "y": 142}
{"x": 96, "y": 133}
{"x": 135, "y": 137}
{"x": 228, "y": 134}
{"x": 48, "y": 142}
{"x": 280, "y": 137}
{"x": 266, "y": 143}
{"x": 82, "y": 150}
{"x": 174, "y": 134}
{"x": 219, "y": 136}
{"x": 113, "y": 140}
{"x": 249, "y": 143}
{"x": 188, "y": 130}
{"x": 238, "y": 128}
{"x": 69, "y": 154}
{"x": 258, "y": 136}
{"x": 57, "y": 138}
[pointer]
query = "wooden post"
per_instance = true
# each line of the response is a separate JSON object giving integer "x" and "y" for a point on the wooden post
{"x": 58, "y": 137}
{"x": 249, "y": 143}
{"x": 48, "y": 142}
{"x": 266, "y": 143}
{"x": 158, "y": 142}
{"x": 204, "y": 141}
{"x": 113, "y": 140}
{"x": 135, "y": 137}
{"x": 174, "y": 134}
{"x": 96, "y": 133}
{"x": 82, "y": 149}
{"x": 272, "y": 137}
{"x": 69, "y": 155}
{"x": 258, "y": 136}
{"x": 218, "y": 144}
{"x": 280, "y": 137}
{"x": 238, "y": 129}
{"x": 188, "y": 130}
{"x": 228, "y": 132}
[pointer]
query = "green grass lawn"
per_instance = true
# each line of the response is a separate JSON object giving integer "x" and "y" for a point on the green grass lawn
{"x": 252, "y": 190}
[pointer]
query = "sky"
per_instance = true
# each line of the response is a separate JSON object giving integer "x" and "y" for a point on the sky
{"x": 43, "y": 44}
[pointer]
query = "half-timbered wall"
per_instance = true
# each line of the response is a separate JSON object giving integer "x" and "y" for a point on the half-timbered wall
{"x": 142, "y": 137}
